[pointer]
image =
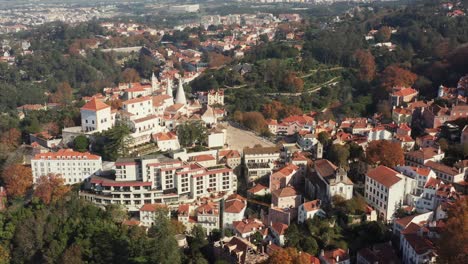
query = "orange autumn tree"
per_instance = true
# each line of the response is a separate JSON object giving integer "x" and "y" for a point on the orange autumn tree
{"x": 366, "y": 65}
{"x": 17, "y": 179}
{"x": 293, "y": 82}
{"x": 384, "y": 152}
{"x": 453, "y": 243}
{"x": 254, "y": 121}
{"x": 271, "y": 110}
{"x": 10, "y": 140}
{"x": 276, "y": 110}
{"x": 130, "y": 75}
{"x": 50, "y": 188}
{"x": 394, "y": 76}
{"x": 288, "y": 255}
{"x": 63, "y": 94}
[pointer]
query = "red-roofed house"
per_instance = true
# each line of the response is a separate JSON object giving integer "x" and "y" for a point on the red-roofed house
{"x": 148, "y": 213}
{"x": 247, "y": 227}
{"x": 234, "y": 209}
{"x": 278, "y": 231}
{"x": 386, "y": 190}
{"x": 166, "y": 141}
{"x": 309, "y": 210}
{"x": 286, "y": 198}
{"x": 232, "y": 158}
{"x": 335, "y": 256}
{"x": 259, "y": 190}
{"x": 404, "y": 95}
{"x": 283, "y": 177}
{"x": 96, "y": 116}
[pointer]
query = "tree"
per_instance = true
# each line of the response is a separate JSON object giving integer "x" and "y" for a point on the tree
{"x": 366, "y": 65}
{"x": 50, "y": 188}
{"x": 324, "y": 138}
{"x": 288, "y": 255}
{"x": 454, "y": 238}
{"x": 17, "y": 179}
{"x": 10, "y": 140}
{"x": 191, "y": 133}
{"x": 383, "y": 152}
{"x": 339, "y": 155}
{"x": 179, "y": 228}
{"x": 81, "y": 143}
{"x": 394, "y": 76}
{"x": 292, "y": 236}
{"x": 293, "y": 83}
{"x": 384, "y": 34}
{"x": 130, "y": 75}
{"x": 164, "y": 249}
{"x": 4, "y": 255}
{"x": 237, "y": 116}
{"x": 198, "y": 240}
{"x": 254, "y": 121}
{"x": 272, "y": 109}
{"x": 72, "y": 255}
{"x": 116, "y": 213}
{"x": 115, "y": 104}
{"x": 63, "y": 94}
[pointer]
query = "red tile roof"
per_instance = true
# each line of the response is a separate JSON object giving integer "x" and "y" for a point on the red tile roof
{"x": 164, "y": 136}
{"x": 405, "y": 92}
{"x": 312, "y": 205}
{"x": 279, "y": 228}
{"x": 285, "y": 192}
{"x": 137, "y": 100}
{"x": 325, "y": 168}
{"x": 203, "y": 157}
{"x": 183, "y": 209}
{"x": 94, "y": 105}
{"x": 152, "y": 207}
{"x": 384, "y": 175}
{"x": 442, "y": 168}
{"x": 248, "y": 225}
{"x": 66, "y": 154}
{"x": 331, "y": 255}
{"x": 235, "y": 204}
{"x": 257, "y": 188}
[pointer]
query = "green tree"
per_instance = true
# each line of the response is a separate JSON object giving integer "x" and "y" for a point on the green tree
{"x": 81, "y": 143}
{"x": 339, "y": 155}
{"x": 165, "y": 248}
{"x": 191, "y": 133}
{"x": 198, "y": 240}
{"x": 292, "y": 236}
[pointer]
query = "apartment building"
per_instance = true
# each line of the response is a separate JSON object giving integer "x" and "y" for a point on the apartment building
{"x": 386, "y": 190}
{"x": 159, "y": 179}
{"x": 73, "y": 166}
{"x": 260, "y": 161}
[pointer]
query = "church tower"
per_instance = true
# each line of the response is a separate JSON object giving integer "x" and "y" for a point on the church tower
{"x": 154, "y": 83}
{"x": 180, "y": 96}
{"x": 169, "y": 87}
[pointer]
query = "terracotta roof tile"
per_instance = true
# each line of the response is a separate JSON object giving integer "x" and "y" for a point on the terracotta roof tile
{"x": 384, "y": 175}
{"x": 94, "y": 105}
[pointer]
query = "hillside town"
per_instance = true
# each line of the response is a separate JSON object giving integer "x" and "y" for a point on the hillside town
{"x": 233, "y": 138}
